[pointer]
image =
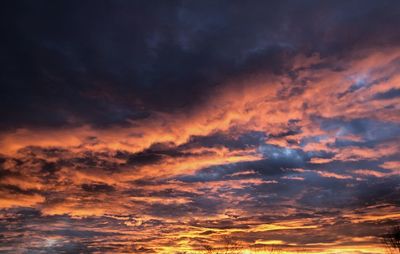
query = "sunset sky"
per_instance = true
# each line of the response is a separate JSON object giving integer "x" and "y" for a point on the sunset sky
{"x": 169, "y": 126}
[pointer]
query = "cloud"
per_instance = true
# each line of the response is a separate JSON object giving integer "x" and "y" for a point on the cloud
{"x": 155, "y": 128}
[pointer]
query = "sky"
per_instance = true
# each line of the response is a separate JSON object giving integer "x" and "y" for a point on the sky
{"x": 177, "y": 126}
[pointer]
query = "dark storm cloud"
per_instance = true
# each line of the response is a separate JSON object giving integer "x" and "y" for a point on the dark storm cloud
{"x": 391, "y": 94}
{"x": 370, "y": 130}
{"x": 242, "y": 141}
{"x": 97, "y": 188}
{"x": 276, "y": 160}
{"x": 54, "y": 239}
{"x": 105, "y": 63}
{"x": 200, "y": 206}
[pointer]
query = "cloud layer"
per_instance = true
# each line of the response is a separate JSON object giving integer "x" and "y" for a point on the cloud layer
{"x": 159, "y": 127}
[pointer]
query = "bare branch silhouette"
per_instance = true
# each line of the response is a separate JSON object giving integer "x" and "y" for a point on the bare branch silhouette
{"x": 392, "y": 239}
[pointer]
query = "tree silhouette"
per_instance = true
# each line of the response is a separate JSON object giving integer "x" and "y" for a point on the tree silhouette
{"x": 230, "y": 247}
{"x": 392, "y": 239}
